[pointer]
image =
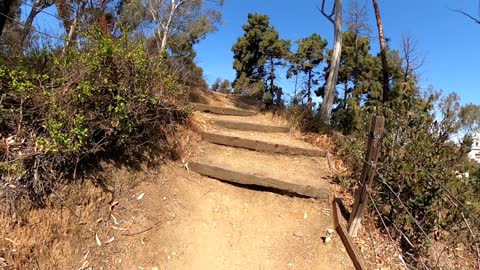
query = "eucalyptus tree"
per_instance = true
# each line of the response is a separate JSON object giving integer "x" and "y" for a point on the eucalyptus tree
{"x": 329, "y": 92}
{"x": 187, "y": 19}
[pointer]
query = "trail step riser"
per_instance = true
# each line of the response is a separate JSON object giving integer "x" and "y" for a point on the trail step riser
{"x": 229, "y": 175}
{"x": 221, "y": 110}
{"x": 261, "y": 146}
{"x": 250, "y": 127}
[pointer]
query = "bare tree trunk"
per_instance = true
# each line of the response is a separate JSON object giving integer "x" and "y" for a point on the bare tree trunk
{"x": 28, "y": 23}
{"x": 159, "y": 36}
{"x": 272, "y": 76}
{"x": 166, "y": 26}
{"x": 73, "y": 27}
{"x": 295, "y": 91}
{"x": 329, "y": 94}
{"x": 4, "y": 9}
{"x": 37, "y": 7}
{"x": 383, "y": 52}
{"x": 309, "y": 84}
{"x": 163, "y": 44}
{"x": 279, "y": 93}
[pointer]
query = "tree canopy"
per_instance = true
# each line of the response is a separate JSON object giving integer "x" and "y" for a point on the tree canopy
{"x": 309, "y": 55}
{"x": 256, "y": 55}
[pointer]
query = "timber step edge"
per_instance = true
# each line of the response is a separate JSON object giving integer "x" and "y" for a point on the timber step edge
{"x": 221, "y": 110}
{"x": 250, "y": 126}
{"x": 226, "y": 174}
{"x": 262, "y": 146}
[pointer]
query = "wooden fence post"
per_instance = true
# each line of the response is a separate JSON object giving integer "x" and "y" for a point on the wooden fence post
{"x": 368, "y": 172}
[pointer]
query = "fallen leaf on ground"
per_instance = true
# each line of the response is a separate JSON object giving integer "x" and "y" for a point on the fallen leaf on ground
{"x": 115, "y": 219}
{"x": 298, "y": 234}
{"x": 109, "y": 240}
{"x": 118, "y": 228}
{"x": 12, "y": 241}
{"x": 99, "y": 243}
{"x": 113, "y": 205}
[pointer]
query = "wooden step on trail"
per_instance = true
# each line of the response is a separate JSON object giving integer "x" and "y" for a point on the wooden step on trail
{"x": 299, "y": 175}
{"x": 246, "y": 126}
{"x": 221, "y": 110}
{"x": 261, "y": 145}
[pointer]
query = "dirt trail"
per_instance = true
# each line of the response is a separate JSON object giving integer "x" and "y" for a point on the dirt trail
{"x": 207, "y": 224}
{"x": 187, "y": 221}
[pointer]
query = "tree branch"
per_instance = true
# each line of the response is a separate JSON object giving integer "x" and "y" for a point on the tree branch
{"x": 466, "y": 14}
{"x": 328, "y": 16}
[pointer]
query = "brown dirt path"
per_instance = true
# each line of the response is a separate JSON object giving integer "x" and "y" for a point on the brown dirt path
{"x": 202, "y": 223}
{"x": 187, "y": 221}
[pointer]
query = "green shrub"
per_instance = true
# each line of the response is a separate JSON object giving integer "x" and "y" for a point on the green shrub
{"x": 108, "y": 97}
{"x": 419, "y": 164}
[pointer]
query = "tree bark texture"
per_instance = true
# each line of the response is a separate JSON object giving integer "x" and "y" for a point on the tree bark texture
{"x": 329, "y": 93}
{"x": 37, "y": 7}
{"x": 383, "y": 52}
{"x": 4, "y": 9}
{"x": 73, "y": 27}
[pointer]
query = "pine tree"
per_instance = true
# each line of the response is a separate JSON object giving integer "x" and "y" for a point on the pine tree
{"x": 258, "y": 50}
{"x": 309, "y": 56}
{"x": 248, "y": 59}
{"x": 275, "y": 51}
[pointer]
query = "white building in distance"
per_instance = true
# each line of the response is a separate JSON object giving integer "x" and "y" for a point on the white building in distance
{"x": 475, "y": 152}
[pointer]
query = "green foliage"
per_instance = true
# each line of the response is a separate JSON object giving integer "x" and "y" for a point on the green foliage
{"x": 248, "y": 58}
{"x": 222, "y": 86}
{"x": 111, "y": 96}
{"x": 475, "y": 181}
{"x": 309, "y": 55}
{"x": 358, "y": 76}
{"x": 275, "y": 50}
{"x": 419, "y": 166}
{"x": 470, "y": 118}
{"x": 418, "y": 163}
{"x": 268, "y": 98}
{"x": 258, "y": 50}
{"x": 246, "y": 86}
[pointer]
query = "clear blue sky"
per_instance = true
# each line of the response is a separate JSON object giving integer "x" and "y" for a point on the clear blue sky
{"x": 450, "y": 42}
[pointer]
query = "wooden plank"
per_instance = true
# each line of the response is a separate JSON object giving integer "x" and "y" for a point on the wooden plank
{"x": 221, "y": 110}
{"x": 261, "y": 145}
{"x": 353, "y": 252}
{"x": 225, "y": 173}
{"x": 368, "y": 173}
{"x": 250, "y": 126}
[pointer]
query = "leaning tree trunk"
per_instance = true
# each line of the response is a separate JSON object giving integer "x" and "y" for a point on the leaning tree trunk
{"x": 4, "y": 9}
{"x": 166, "y": 26}
{"x": 383, "y": 52}
{"x": 309, "y": 85}
{"x": 37, "y": 7}
{"x": 28, "y": 24}
{"x": 272, "y": 77}
{"x": 73, "y": 27}
{"x": 329, "y": 93}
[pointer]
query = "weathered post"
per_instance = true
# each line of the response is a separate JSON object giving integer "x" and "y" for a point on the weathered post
{"x": 368, "y": 173}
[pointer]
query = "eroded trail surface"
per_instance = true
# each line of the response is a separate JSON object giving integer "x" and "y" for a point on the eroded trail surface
{"x": 187, "y": 220}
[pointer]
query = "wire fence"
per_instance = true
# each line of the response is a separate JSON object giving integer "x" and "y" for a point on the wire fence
{"x": 30, "y": 28}
{"x": 42, "y": 10}
{"x": 438, "y": 258}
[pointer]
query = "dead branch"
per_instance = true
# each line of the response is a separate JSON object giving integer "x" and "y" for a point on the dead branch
{"x": 413, "y": 59}
{"x": 328, "y": 16}
{"x": 466, "y": 14}
{"x": 144, "y": 230}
